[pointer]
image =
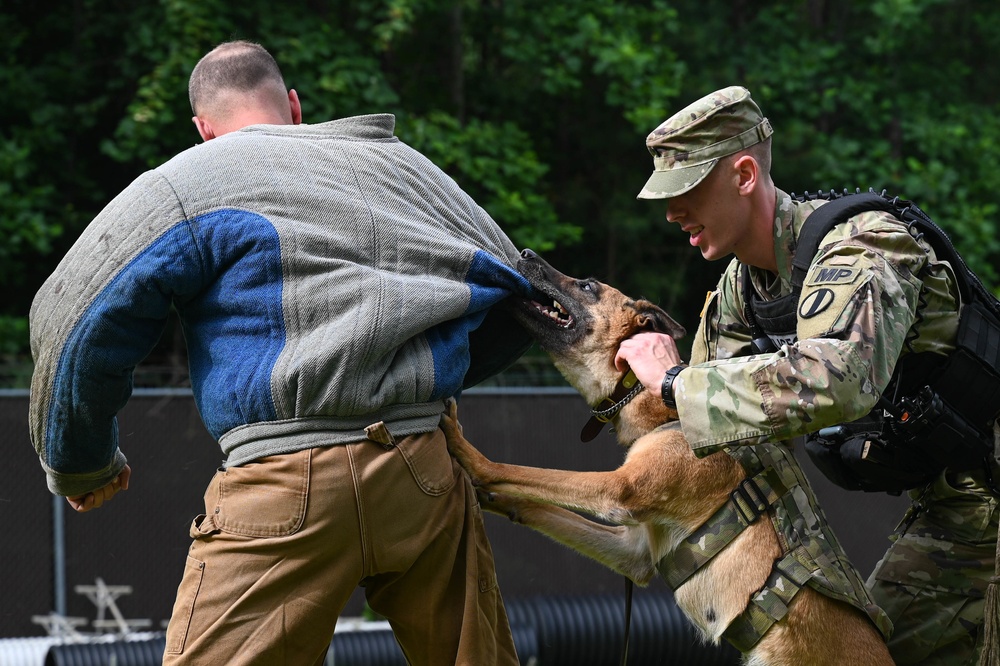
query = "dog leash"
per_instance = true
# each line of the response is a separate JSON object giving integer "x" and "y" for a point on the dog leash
{"x": 628, "y": 617}
{"x": 625, "y": 391}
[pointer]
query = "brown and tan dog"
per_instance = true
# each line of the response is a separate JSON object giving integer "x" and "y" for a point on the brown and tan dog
{"x": 660, "y": 494}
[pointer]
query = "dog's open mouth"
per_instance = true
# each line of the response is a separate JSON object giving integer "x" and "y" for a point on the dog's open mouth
{"x": 556, "y": 312}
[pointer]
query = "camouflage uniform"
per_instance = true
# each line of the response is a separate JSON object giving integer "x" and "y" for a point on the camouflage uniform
{"x": 857, "y": 307}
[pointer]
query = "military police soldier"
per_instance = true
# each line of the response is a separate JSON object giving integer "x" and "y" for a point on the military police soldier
{"x": 830, "y": 359}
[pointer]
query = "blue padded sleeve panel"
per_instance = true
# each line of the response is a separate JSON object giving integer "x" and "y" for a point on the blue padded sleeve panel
{"x": 490, "y": 281}
{"x": 240, "y": 334}
{"x": 118, "y": 329}
{"x": 240, "y": 326}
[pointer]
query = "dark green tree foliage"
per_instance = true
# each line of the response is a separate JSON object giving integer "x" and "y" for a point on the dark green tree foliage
{"x": 538, "y": 109}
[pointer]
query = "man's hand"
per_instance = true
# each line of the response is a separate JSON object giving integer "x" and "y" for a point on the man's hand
{"x": 649, "y": 355}
{"x": 97, "y": 498}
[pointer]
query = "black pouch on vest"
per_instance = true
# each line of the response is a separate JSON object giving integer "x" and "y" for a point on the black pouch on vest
{"x": 823, "y": 448}
{"x": 859, "y": 456}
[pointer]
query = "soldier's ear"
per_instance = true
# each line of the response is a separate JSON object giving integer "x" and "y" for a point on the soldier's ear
{"x": 748, "y": 174}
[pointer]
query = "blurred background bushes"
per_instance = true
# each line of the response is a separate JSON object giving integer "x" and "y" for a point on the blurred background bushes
{"x": 538, "y": 109}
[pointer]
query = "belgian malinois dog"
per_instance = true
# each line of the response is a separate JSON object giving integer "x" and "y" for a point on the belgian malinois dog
{"x": 660, "y": 494}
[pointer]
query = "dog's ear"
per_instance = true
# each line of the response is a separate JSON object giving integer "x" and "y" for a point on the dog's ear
{"x": 650, "y": 317}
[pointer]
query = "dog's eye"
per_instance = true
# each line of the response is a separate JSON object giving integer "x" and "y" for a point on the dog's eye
{"x": 586, "y": 286}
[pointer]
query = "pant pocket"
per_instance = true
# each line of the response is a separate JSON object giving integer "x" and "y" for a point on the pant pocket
{"x": 266, "y": 498}
{"x": 929, "y": 622}
{"x": 960, "y": 506}
{"x": 187, "y": 594}
{"x": 430, "y": 463}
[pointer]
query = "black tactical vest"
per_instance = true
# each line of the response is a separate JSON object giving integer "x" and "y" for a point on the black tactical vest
{"x": 942, "y": 415}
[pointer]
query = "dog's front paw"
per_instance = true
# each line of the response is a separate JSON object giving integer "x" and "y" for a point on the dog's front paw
{"x": 449, "y": 420}
{"x": 501, "y": 504}
{"x": 474, "y": 462}
{"x": 458, "y": 445}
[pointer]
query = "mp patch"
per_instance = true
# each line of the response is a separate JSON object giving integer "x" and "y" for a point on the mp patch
{"x": 821, "y": 309}
{"x": 832, "y": 275}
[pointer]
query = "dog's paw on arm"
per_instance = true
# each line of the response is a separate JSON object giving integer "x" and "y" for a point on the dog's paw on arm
{"x": 500, "y": 504}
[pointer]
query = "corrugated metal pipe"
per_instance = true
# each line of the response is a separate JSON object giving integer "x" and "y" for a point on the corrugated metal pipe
{"x": 548, "y": 631}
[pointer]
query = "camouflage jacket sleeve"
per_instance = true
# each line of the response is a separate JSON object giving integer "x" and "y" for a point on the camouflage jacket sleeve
{"x": 857, "y": 303}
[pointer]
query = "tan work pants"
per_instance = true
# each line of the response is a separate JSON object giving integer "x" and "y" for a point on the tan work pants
{"x": 285, "y": 541}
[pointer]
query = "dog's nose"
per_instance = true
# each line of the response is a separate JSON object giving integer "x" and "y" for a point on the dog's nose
{"x": 528, "y": 254}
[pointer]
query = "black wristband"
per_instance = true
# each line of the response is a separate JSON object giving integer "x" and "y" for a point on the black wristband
{"x": 667, "y": 389}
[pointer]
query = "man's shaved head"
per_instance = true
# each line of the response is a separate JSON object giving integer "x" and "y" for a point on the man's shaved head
{"x": 230, "y": 71}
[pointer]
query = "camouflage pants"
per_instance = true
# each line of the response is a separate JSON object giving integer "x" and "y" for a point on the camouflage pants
{"x": 932, "y": 580}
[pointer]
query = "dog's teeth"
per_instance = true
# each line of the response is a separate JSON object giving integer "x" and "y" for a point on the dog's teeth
{"x": 556, "y": 312}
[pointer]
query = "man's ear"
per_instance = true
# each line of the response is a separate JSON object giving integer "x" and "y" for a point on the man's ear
{"x": 747, "y": 171}
{"x": 295, "y": 106}
{"x": 204, "y": 128}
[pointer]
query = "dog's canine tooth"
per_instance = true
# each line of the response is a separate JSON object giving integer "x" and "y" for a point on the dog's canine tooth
{"x": 556, "y": 312}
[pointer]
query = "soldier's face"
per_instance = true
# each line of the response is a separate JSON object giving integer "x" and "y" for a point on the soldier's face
{"x": 713, "y": 213}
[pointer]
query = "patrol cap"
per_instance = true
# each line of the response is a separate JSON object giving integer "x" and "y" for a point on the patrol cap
{"x": 688, "y": 145}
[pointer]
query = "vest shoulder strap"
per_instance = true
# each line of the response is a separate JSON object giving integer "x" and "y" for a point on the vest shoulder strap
{"x": 822, "y": 220}
{"x": 841, "y": 207}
